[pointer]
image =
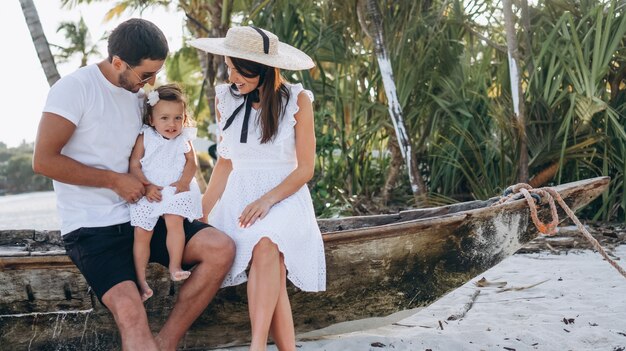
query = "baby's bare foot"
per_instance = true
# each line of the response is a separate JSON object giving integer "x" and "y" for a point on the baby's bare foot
{"x": 179, "y": 275}
{"x": 145, "y": 291}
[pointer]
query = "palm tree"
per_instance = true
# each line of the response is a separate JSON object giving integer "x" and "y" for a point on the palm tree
{"x": 395, "y": 110}
{"x": 577, "y": 108}
{"x": 40, "y": 41}
{"x": 517, "y": 92}
{"x": 375, "y": 32}
{"x": 79, "y": 42}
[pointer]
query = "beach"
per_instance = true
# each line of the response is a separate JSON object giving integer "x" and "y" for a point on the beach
{"x": 36, "y": 210}
{"x": 559, "y": 299}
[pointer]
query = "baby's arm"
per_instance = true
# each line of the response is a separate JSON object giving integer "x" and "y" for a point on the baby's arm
{"x": 135, "y": 161}
{"x": 153, "y": 192}
{"x": 189, "y": 171}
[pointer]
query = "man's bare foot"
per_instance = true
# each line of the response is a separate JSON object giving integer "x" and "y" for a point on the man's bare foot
{"x": 179, "y": 275}
{"x": 145, "y": 291}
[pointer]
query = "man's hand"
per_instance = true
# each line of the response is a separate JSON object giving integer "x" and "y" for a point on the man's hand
{"x": 128, "y": 187}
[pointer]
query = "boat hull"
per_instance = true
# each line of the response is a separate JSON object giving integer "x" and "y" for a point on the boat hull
{"x": 376, "y": 265}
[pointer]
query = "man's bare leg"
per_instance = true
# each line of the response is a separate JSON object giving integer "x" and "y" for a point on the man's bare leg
{"x": 213, "y": 252}
{"x": 124, "y": 302}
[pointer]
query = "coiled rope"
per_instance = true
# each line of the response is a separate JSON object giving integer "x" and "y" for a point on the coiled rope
{"x": 549, "y": 194}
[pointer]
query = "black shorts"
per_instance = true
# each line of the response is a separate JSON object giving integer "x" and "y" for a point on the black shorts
{"x": 104, "y": 255}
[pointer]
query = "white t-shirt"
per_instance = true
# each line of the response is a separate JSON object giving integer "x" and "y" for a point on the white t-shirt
{"x": 108, "y": 120}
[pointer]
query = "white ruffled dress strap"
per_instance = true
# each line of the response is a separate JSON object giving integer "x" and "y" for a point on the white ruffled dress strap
{"x": 144, "y": 127}
{"x": 225, "y": 106}
{"x": 151, "y": 140}
{"x": 289, "y": 120}
{"x": 188, "y": 135}
{"x": 222, "y": 93}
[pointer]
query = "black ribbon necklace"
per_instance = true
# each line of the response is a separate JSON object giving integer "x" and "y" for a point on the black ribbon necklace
{"x": 251, "y": 97}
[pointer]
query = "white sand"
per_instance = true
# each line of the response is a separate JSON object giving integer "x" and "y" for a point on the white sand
{"x": 578, "y": 304}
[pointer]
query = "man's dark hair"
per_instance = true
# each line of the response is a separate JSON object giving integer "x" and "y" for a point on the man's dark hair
{"x": 137, "y": 39}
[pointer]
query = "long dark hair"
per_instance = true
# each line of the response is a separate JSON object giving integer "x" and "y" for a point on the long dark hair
{"x": 273, "y": 93}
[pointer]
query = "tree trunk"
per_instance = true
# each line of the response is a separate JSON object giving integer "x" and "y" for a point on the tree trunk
{"x": 525, "y": 19}
{"x": 394, "y": 169}
{"x": 40, "y": 41}
{"x": 210, "y": 20}
{"x": 395, "y": 110}
{"x": 517, "y": 93}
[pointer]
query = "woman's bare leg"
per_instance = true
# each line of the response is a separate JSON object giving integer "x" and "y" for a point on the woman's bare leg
{"x": 141, "y": 255}
{"x": 175, "y": 242}
{"x": 263, "y": 291}
{"x": 282, "y": 329}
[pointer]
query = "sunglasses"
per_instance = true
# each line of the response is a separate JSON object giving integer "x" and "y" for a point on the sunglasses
{"x": 143, "y": 80}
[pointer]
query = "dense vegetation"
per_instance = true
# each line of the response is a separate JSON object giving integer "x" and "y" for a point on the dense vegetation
{"x": 452, "y": 79}
{"x": 16, "y": 171}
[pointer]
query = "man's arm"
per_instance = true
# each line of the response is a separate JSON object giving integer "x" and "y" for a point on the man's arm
{"x": 53, "y": 133}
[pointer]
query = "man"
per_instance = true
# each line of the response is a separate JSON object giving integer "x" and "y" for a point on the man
{"x": 87, "y": 130}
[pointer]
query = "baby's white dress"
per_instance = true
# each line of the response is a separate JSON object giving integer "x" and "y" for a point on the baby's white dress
{"x": 257, "y": 169}
{"x": 163, "y": 163}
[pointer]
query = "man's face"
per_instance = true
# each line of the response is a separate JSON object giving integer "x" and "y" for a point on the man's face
{"x": 133, "y": 78}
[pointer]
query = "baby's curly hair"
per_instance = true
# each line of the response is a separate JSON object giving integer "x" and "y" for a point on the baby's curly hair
{"x": 169, "y": 92}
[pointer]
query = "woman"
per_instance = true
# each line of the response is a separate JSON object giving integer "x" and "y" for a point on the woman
{"x": 266, "y": 147}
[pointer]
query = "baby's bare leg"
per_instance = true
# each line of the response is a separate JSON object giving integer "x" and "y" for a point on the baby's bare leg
{"x": 175, "y": 245}
{"x": 141, "y": 255}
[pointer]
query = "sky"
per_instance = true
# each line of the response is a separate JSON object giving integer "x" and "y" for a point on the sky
{"x": 24, "y": 86}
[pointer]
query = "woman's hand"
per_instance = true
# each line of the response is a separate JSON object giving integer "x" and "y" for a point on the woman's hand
{"x": 153, "y": 193}
{"x": 256, "y": 210}
{"x": 180, "y": 186}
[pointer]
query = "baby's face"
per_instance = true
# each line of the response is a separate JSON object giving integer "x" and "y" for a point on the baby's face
{"x": 167, "y": 118}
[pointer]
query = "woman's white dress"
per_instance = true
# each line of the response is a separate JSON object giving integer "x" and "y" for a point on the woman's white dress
{"x": 257, "y": 169}
{"x": 163, "y": 163}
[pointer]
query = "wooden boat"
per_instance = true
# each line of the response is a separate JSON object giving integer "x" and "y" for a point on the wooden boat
{"x": 376, "y": 265}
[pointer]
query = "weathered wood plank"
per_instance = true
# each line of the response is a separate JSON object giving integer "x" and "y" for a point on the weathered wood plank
{"x": 13, "y": 251}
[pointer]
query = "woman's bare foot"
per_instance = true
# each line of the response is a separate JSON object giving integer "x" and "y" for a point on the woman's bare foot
{"x": 178, "y": 275}
{"x": 145, "y": 291}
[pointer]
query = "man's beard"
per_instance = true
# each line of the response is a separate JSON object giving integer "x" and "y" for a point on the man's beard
{"x": 126, "y": 84}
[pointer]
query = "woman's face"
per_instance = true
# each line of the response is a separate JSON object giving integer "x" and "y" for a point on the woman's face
{"x": 244, "y": 84}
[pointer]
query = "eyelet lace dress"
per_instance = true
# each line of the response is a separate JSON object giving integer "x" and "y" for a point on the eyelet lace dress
{"x": 163, "y": 163}
{"x": 257, "y": 169}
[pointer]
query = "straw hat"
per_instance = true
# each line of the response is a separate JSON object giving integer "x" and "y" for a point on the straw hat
{"x": 258, "y": 45}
